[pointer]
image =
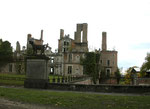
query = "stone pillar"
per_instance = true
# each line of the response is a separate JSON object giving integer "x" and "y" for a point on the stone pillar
{"x": 75, "y": 36}
{"x": 84, "y": 36}
{"x": 104, "y": 41}
{"x": 61, "y": 33}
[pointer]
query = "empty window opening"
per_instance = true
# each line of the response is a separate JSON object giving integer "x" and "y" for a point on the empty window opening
{"x": 10, "y": 67}
{"x": 108, "y": 62}
{"x": 64, "y": 49}
{"x": 69, "y": 69}
{"x": 81, "y": 36}
{"x": 108, "y": 72}
{"x": 52, "y": 60}
{"x": 52, "y": 70}
{"x": 65, "y": 43}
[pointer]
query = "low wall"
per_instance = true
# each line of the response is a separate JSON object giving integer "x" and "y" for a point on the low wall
{"x": 108, "y": 81}
{"x": 100, "y": 88}
{"x": 142, "y": 81}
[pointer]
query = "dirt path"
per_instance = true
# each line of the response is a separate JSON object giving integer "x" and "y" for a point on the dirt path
{"x": 7, "y": 104}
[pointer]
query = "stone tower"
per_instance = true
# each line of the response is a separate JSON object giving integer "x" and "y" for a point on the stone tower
{"x": 41, "y": 35}
{"x": 104, "y": 41}
{"x": 61, "y": 33}
{"x": 81, "y": 29}
{"x": 108, "y": 58}
{"x": 29, "y": 36}
{"x": 18, "y": 47}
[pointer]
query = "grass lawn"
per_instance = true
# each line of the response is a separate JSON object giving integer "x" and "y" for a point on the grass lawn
{"x": 11, "y": 81}
{"x": 72, "y": 100}
{"x": 12, "y": 75}
{"x": 17, "y": 82}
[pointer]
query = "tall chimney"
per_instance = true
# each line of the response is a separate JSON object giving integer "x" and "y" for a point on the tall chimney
{"x": 104, "y": 41}
{"x": 78, "y": 34}
{"x": 61, "y": 33}
{"x": 41, "y": 35}
{"x": 84, "y": 36}
{"x": 29, "y": 36}
{"x": 75, "y": 36}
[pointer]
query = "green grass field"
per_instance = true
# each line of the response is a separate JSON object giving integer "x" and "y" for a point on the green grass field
{"x": 17, "y": 82}
{"x": 72, "y": 100}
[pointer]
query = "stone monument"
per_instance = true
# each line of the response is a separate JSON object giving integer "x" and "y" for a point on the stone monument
{"x": 36, "y": 64}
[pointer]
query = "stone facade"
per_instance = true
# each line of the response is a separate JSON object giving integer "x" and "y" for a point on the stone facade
{"x": 67, "y": 60}
{"x": 71, "y": 50}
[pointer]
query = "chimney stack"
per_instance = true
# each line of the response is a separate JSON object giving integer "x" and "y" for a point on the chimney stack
{"x": 84, "y": 36}
{"x": 41, "y": 35}
{"x": 61, "y": 33}
{"x": 104, "y": 41}
{"x": 78, "y": 33}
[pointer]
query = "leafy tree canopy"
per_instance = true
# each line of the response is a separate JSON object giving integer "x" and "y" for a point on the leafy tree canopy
{"x": 146, "y": 64}
{"x": 117, "y": 73}
{"x": 5, "y": 52}
{"x": 91, "y": 65}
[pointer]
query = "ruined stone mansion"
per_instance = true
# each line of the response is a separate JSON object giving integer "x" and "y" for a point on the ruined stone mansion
{"x": 66, "y": 61}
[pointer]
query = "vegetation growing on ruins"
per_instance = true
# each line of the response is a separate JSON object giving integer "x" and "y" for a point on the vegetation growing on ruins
{"x": 146, "y": 65}
{"x": 118, "y": 75}
{"x": 91, "y": 65}
{"x": 73, "y": 100}
{"x": 5, "y": 53}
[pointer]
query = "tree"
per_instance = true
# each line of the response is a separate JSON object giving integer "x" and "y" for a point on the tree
{"x": 129, "y": 76}
{"x": 91, "y": 65}
{"x": 6, "y": 54}
{"x": 145, "y": 65}
{"x": 118, "y": 75}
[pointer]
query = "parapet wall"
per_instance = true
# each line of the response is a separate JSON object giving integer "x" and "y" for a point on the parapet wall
{"x": 100, "y": 88}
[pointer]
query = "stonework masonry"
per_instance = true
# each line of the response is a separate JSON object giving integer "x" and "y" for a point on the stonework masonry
{"x": 71, "y": 50}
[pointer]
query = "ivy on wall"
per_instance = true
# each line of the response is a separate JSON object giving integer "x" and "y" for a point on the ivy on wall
{"x": 91, "y": 65}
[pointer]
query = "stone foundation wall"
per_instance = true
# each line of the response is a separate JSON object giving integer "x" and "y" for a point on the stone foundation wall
{"x": 109, "y": 81}
{"x": 100, "y": 88}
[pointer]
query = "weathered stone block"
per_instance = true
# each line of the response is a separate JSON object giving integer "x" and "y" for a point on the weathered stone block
{"x": 36, "y": 73}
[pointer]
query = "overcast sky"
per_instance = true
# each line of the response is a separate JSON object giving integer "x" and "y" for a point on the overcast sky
{"x": 127, "y": 23}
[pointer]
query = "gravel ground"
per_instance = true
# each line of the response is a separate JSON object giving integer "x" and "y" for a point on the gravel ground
{"x": 7, "y": 104}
